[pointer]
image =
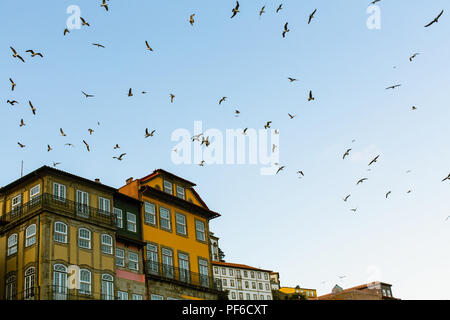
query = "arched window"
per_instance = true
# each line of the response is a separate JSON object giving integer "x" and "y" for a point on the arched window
{"x": 59, "y": 282}
{"x": 30, "y": 234}
{"x": 84, "y": 238}
{"x": 85, "y": 281}
{"x": 107, "y": 244}
{"x": 107, "y": 287}
{"x": 29, "y": 283}
{"x": 12, "y": 244}
{"x": 11, "y": 288}
{"x": 60, "y": 232}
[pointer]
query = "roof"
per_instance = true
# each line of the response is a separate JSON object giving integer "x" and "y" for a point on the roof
{"x": 159, "y": 171}
{"x": 289, "y": 290}
{"x": 239, "y": 266}
{"x": 360, "y": 287}
{"x": 47, "y": 169}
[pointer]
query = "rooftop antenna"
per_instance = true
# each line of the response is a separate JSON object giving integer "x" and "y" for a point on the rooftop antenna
{"x": 21, "y": 170}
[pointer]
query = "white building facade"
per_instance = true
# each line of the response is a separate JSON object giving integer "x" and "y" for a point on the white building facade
{"x": 243, "y": 282}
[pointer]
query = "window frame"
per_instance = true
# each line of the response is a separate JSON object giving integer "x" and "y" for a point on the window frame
{"x": 104, "y": 245}
{"x": 88, "y": 283}
{"x": 131, "y": 223}
{"x": 178, "y": 214}
{"x": 148, "y": 213}
{"x": 169, "y": 219}
{"x": 55, "y": 232}
{"x": 12, "y": 245}
{"x": 85, "y": 239}
{"x": 58, "y": 192}
{"x": 116, "y": 212}
{"x": 102, "y": 206}
{"x": 120, "y": 258}
{"x": 167, "y": 187}
{"x": 30, "y": 237}
{"x": 133, "y": 261}
{"x": 197, "y": 231}
{"x": 183, "y": 194}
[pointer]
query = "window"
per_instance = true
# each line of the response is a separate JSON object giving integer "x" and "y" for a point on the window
{"x": 247, "y": 296}
{"x": 152, "y": 258}
{"x": 85, "y": 282}
{"x": 204, "y": 272}
{"x": 224, "y": 282}
{"x": 29, "y": 283}
{"x": 216, "y": 270}
{"x": 389, "y": 292}
{"x": 30, "y": 234}
{"x": 164, "y": 218}
{"x": 135, "y": 296}
{"x": 156, "y": 297}
{"x": 200, "y": 230}
{"x": 246, "y": 285}
{"x": 104, "y": 205}
{"x": 239, "y": 284}
{"x": 261, "y": 297}
{"x": 107, "y": 244}
{"x": 224, "y": 271}
{"x": 245, "y": 274}
{"x": 183, "y": 265}
{"x": 230, "y": 271}
{"x": 12, "y": 244}
{"x": 255, "y": 297}
{"x": 150, "y": 213}
{"x": 269, "y": 297}
{"x": 83, "y": 203}
{"x": 252, "y": 274}
{"x": 119, "y": 217}
{"x": 167, "y": 262}
{"x": 60, "y": 232}
{"x": 253, "y": 285}
{"x": 16, "y": 204}
{"x": 59, "y": 192}
{"x": 120, "y": 258}
{"x": 241, "y": 296}
{"x": 170, "y": 298}
{"x": 131, "y": 222}
{"x": 84, "y": 238}
{"x": 107, "y": 287}
{"x": 180, "y": 193}
{"x": 133, "y": 261}
{"x": 267, "y": 286}
{"x": 34, "y": 194}
{"x": 260, "y": 286}
{"x": 11, "y": 288}
{"x": 180, "y": 220}
{"x": 266, "y": 276}
{"x": 231, "y": 283}
{"x": 168, "y": 187}
{"x": 233, "y": 295}
{"x": 121, "y": 295}
{"x": 259, "y": 275}
{"x": 59, "y": 282}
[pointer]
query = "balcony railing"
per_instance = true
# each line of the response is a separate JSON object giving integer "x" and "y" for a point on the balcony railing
{"x": 28, "y": 294}
{"x": 182, "y": 276}
{"x": 60, "y": 205}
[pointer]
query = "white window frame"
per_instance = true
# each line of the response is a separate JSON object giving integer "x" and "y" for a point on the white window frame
{"x": 131, "y": 223}
{"x": 150, "y": 213}
{"x": 83, "y": 238}
{"x": 12, "y": 244}
{"x": 136, "y": 296}
{"x": 86, "y": 283}
{"x": 120, "y": 258}
{"x": 29, "y": 283}
{"x": 104, "y": 205}
{"x": 34, "y": 195}
{"x": 133, "y": 261}
{"x": 11, "y": 288}
{"x": 199, "y": 231}
{"x": 30, "y": 235}
{"x": 181, "y": 193}
{"x": 59, "y": 192}
{"x": 60, "y": 233}
{"x": 119, "y": 217}
{"x": 82, "y": 203}
{"x": 107, "y": 244}
{"x": 156, "y": 297}
{"x": 107, "y": 287}
{"x": 161, "y": 225}
{"x": 16, "y": 203}
{"x": 166, "y": 187}
{"x": 122, "y": 295}
{"x": 183, "y": 225}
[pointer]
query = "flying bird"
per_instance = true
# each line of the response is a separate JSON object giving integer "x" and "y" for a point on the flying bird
{"x": 244, "y": 132}
{"x": 205, "y": 141}
{"x": 292, "y": 79}
{"x": 62, "y": 132}
{"x": 56, "y": 163}
{"x": 13, "y": 85}
{"x": 301, "y": 172}
{"x": 12, "y": 102}
{"x": 448, "y": 178}
{"x": 279, "y": 8}
{"x": 387, "y": 194}
{"x": 87, "y": 95}
{"x": 361, "y": 181}
{"x": 280, "y": 169}
{"x": 69, "y": 145}
{"x": 262, "y": 11}
{"x": 374, "y": 160}
{"x": 104, "y": 5}
{"x": 346, "y": 153}
{"x": 235, "y": 10}
{"x": 222, "y": 100}
{"x": 16, "y": 55}
{"x": 66, "y": 31}
{"x": 116, "y": 147}
{"x": 33, "y": 54}
{"x": 311, "y": 16}
{"x": 286, "y": 30}
{"x": 413, "y": 108}
{"x": 310, "y": 98}
{"x": 84, "y": 23}
{"x": 87, "y": 146}
{"x": 346, "y": 198}
{"x": 291, "y": 116}
{"x": 197, "y": 137}
{"x": 413, "y": 56}
{"x": 33, "y": 109}
{"x": 202, "y": 163}
{"x": 191, "y": 19}
{"x": 148, "y": 46}
{"x": 21, "y": 145}
{"x": 90, "y": 131}
{"x": 237, "y": 112}
{"x": 393, "y": 87}
{"x": 147, "y": 134}
{"x": 21, "y": 123}
{"x": 267, "y": 125}
{"x": 274, "y": 146}
{"x": 354, "y": 210}
{"x": 98, "y": 45}
{"x": 120, "y": 158}
{"x": 130, "y": 92}
{"x": 435, "y": 19}
{"x": 49, "y": 148}
{"x": 171, "y": 97}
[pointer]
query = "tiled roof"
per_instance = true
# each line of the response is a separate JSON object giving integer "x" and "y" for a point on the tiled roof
{"x": 360, "y": 287}
{"x": 236, "y": 265}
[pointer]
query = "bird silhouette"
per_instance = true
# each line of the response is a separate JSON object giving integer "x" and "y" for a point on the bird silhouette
{"x": 448, "y": 178}
{"x": 148, "y": 46}
{"x": 66, "y": 31}
{"x": 98, "y": 45}
{"x": 13, "y": 85}
{"x": 84, "y": 22}
{"x": 310, "y": 97}
{"x": 387, "y": 194}
{"x": 62, "y": 132}
{"x": 361, "y": 181}
{"x": 21, "y": 145}
{"x": 286, "y": 30}
{"x": 222, "y": 100}
{"x": 172, "y": 96}
{"x": 21, "y": 123}
{"x": 33, "y": 109}
{"x": 262, "y": 11}
{"x": 311, "y": 16}
{"x": 12, "y": 102}
{"x": 104, "y": 5}
{"x": 191, "y": 19}
{"x": 280, "y": 169}
{"x": 279, "y": 8}
{"x": 16, "y": 55}
{"x": 87, "y": 146}
{"x": 87, "y": 95}
{"x": 393, "y": 87}
{"x": 413, "y": 56}
{"x": 235, "y": 10}
{"x": 130, "y": 92}
{"x": 374, "y": 160}
{"x": 435, "y": 19}
{"x": 267, "y": 125}
{"x": 147, "y": 134}
{"x": 120, "y": 158}
{"x": 346, "y": 198}
{"x": 49, "y": 148}
{"x": 33, "y": 54}
{"x": 347, "y": 153}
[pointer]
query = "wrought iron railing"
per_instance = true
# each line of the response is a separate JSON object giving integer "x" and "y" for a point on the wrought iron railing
{"x": 28, "y": 294}
{"x": 61, "y": 205}
{"x": 182, "y": 276}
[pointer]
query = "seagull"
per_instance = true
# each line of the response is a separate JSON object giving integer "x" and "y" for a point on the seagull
{"x": 171, "y": 97}
{"x": 387, "y": 194}
{"x": 413, "y": 56}
{"x": 237, "y": 112}
{"x": 116, "y": 147}
{"x": 435, "y": 19}
{"x": 21, "y": 123}
{"x": 286, "y": 30}
{"x": 374, "y": 160}
{"x": 310, "y": 98}
{"x": 12, "y": 102}
{"x": 393, "y": 87}
{"x": 300, "y": 172}
{"x": 56, "y": 163}
{"x": 280, "y": 168}
{"x": 279, "y": 8}
{"x": 413, "y": 108}
{"x": 21, "y": 145}
{"x": 98, "y": 45}
{"x": 49, "y": 148}
{"x": 222, "y": 100}
{"x": 33, "y": 109}
{"x": 245, "y": 131}
{"x": 191, "y": 19}
{"x": 90, "y": 131}
{"x": 409, "y": 191}
{"x": 87, "y": 95}
{"x": 292, "y": 79}
{"x": 62, "y": 132}
{"x": 346, "y": 153}
{"x": 87, "y": 146}
{"x": 235, "y": 10}
{"x": 84, "y": 23}
{"x": 104, "y": 5}
{"x": 130, "y": 93}
{"x": 148, "y": 46}
{"x": 375, "y": 1}
{"x": 361, "y": 181}
{"x": 448, "y": 178}
{"x": 16, "y": 55}
{"x": 346, "y": 198}
{"x": 66, "y": 31}
{"x": 311, "y": 16}
{"x": 120, "y": 158}
{"x": 262, "y": 11}
{"x": 267, "y": 125}
{"x": 147, "y": 134}
{"x": 197, "y": 137}
{"x": 205, "y": 141}
{"x": 202, "y": 163}
{"x": 13, "y": 85}
{"x": 291, "y": 116}
{"x": 33, "y": 54}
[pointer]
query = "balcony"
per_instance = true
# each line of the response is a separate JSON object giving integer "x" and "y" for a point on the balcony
{"x": 181, "y": 276}
{"x": 58, "y": 205}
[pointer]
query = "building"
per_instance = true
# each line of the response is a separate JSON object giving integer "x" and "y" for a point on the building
{"x": 275, "y": 281}
{"x": 288, "y": 293}
{"x": 56, "y": 237}
{"x": 243, "y": 282}
{"x": 130, "y": 263}
{"x": 175, "y": 228}
{"x": 369, "y": 291}
{"x": 214, "y": 247}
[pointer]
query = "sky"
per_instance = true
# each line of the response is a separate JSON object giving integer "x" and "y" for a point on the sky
{"x": 300, "y": 228}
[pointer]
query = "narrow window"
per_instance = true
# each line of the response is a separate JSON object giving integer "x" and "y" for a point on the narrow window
{"x": 164, "y": 218}
{"x": 107, "y": 244}
{"x": 180, "y": 193}
{"x": 150, "y": 213}
{"x": 120, "y": 258}
{"x": 200, "y": 230}
{"x": 60, "y": 232}
{"x": 119, "y": 217}
{"x": 131, "y": 222}
{"x": 168, "y": 187}
{"x": 84, "y": 238}
{"x": 133, "y": 261}
{"x": 181, "y": 223}
{"x": 12, "y": 244}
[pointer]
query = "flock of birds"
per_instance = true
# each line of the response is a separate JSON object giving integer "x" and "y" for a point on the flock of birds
{"x": 200, "y": 138}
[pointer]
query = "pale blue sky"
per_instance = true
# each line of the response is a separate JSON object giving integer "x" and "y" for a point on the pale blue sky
{"x": 298, "y": 227}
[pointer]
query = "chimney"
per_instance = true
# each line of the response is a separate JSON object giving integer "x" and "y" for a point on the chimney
{"x": 129, "y": 180}
{"x": 97, "y": 180}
